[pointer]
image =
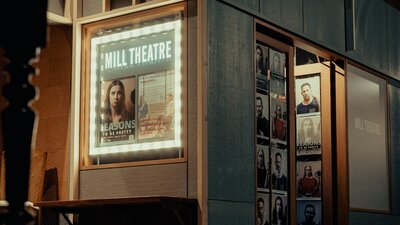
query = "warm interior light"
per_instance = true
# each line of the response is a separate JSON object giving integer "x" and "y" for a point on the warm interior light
{"x": 94, "y": 101}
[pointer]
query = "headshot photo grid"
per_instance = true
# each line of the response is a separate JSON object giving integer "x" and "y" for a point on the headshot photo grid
{"x": 308, "y": 149}
{"x": 271, "y": 130}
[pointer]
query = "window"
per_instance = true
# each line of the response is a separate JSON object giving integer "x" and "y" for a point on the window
{"x": 133, "y": 94}
{"x": 368, "y": 150}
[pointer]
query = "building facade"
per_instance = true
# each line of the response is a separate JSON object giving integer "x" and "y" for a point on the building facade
{"x": 237, "y": 130}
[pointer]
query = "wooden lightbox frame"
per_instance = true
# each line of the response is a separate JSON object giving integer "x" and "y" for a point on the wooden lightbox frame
{"x": 131, "y": 19}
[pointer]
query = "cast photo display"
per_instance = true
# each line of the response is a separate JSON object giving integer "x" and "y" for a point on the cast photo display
{"x": 261, "y": 62}
{"x": 279, "y": 119}
{"x": 308, "y": 94}
{"x": 271, "y": 130}
{"x": 262, "y": 115}
{"x": 279, "y": 210}
{"x": 277, "y": 65}
{"x": 262, "y": 209}
{"x": 263, "y": 171}
{"x": 308, "y": 149}
{"x": 309, "y": 179}
{"x": 279, "y": 176}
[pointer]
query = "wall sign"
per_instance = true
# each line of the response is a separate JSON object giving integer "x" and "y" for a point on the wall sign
{"x": 135, "y": 88}
{"x": 368, "y": 150}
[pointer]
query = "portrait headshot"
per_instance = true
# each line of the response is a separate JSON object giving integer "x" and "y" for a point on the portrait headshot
{"x": 261, "y": 53}
{"x": 279, "y": 210}
{"x": 261, "y": 62}
{"x": 279, "y": 121}
{"x": 262, "y": 167}
{"x": 279, "y": 170}
{"x": 308, "y": 95}
{"x": 262, "y": 209}
{"x": 114, "y": 107}
{"x": 308, "y": 212}
{"x": 309, "y": 178}
{"x": 277, "y": 72}
{"x": 117, "y": 112}
{"x": 277, "y": 62}
{"x": 262, "y": 113}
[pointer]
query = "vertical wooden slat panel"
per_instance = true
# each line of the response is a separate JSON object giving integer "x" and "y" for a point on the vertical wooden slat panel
{"x": 371, "y": 34}
{"x": 394, "y": 42}
{"x": 286, "y": 13}
{"x": 231, "y": 213}
{"x": 166, "y": 179}
{"x": 349, "y": 25}
{"x": 292, "y": 15}
{"x": 230, "y": 105}
{"x": 271, "y": 9}
{"x": 90, "y": 7}
{"x": 252, "y": 5}
{"x": 394, "y": 117}
{"x": 324, "y": 22}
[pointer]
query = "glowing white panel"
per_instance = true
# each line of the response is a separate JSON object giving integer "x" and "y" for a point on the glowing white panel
{"x": 94, "y": 80}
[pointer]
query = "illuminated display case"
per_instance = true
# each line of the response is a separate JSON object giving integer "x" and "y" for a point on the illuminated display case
{"x": 133, "y": 89}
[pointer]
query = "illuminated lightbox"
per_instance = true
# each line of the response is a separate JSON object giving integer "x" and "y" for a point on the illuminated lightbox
{"x": 135, "y": 89}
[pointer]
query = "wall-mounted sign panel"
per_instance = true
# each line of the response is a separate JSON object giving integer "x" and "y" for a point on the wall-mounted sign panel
{"x": 126, "y": 64}
{"x": 135, "y": 85}
{"x": 368, "y": 150}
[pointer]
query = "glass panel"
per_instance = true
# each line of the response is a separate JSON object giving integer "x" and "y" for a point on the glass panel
{"x": 135, "y": 91}
{"x": 116, "y": 4}
{"x": 91, "y": 7}
{"x": 368, "y": 150}
{"x": 56, "y": 7}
